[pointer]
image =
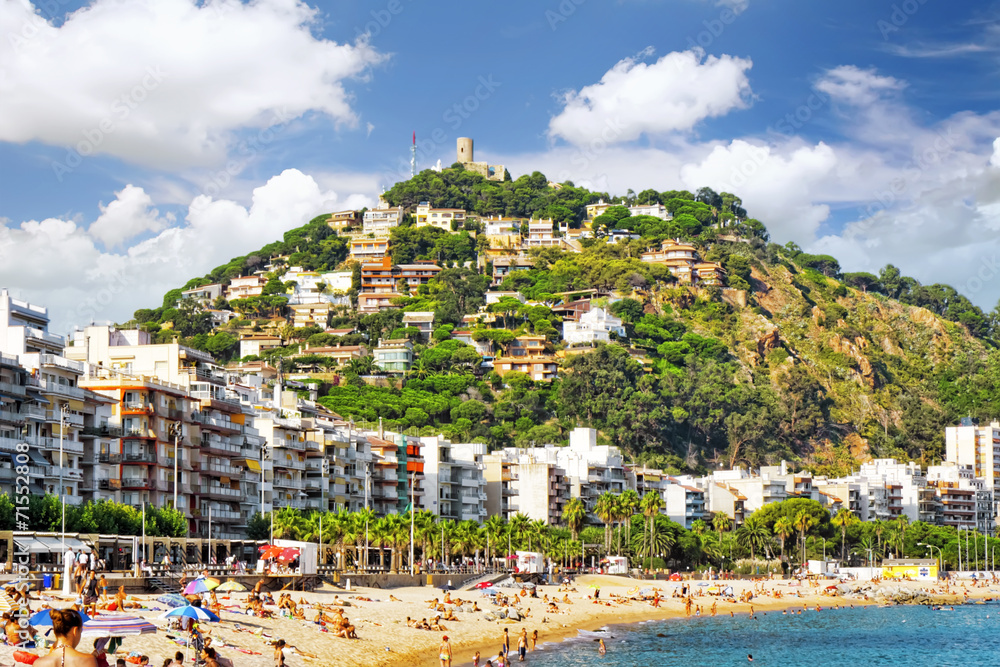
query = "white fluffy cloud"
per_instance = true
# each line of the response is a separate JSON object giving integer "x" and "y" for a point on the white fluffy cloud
{"x": 59, "y": 263}
{"x": 670, "y": 95}
{"x": 856, "y": 86}
{"x": 167, "y": 82}
{"x": 129, "y": 215}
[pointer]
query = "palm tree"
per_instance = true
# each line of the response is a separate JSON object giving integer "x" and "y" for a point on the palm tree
{"x": 721, "y": 522}
{"x": 783, "y": 527}
{"x": 381, "y": 537}
{"x": 753, "y": 534}
{"x": 360, "y": 528}
{"x": 842, "y": 520}
{"x": 496, "y": 534}
{"x": 537, "y": 528}
{"x": 361, "y": 365}
{"x": 699, "y": 527}
{"x": 573, "y": 515}
{"x": 606, "y": 509}
{"x": 902, "y": 522}
{"x": 651, "y": 505}
{"x": 519, "y": 525}
{"x": 628, "y": 505}
{"x": 289, "y": 524}
{"x": 804, "y": 521}
{"x": 878, "y": 527}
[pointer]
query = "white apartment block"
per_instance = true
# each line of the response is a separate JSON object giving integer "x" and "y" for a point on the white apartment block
{"x": 979, "y": 448}
{"x": 523, "y": 482}
{"x": 381, "y": 221}
{"x": 656, "y": 210}
{"x": 453, "y": 480}
{"x": 595, "y": 326}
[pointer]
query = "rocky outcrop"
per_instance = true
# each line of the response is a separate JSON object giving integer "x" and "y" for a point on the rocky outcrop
{"x": 865, "y": 372}
{"x": 769, "y": 341}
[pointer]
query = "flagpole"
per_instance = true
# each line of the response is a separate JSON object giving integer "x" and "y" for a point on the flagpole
{"x": 413, "y": 481}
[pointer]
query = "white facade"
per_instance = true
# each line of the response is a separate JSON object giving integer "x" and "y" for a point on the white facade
{"x": 594, "y": 326}
{"x": 454, "y": 484}
{"x": 380, "y": 221}
{"x": 656, "y": 210}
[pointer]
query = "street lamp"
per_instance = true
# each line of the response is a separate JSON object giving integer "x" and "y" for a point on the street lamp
{"x": 932, "y": 547}
{"x": 175, "y": 432}
{"x": 62, "y": 491}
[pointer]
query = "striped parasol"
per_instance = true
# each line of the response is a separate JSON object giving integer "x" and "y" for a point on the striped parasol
{"x": 233, "y": 586}
{"x": 114, "y": 625}
{"x": 190, "y": 611}
{"x": 6, "y": 604}
{"x": 201, "y": 585}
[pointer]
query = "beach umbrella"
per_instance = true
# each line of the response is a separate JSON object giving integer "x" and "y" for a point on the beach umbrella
{"x": 271, "y": 552}
{"x": 172, "y": 600}
{"x": 190, "y": 611}
{"x": 200, "y": 586}
{"x": 115, "y": 625}
{"x": 490, "y": 591}
{"x": 288, "y": 553}
{"x": 676, "y": 576}
{"x": 231, "y": 586}
{"x": 594, "y": 586}
{"x": 484, "y": 584}
{"x": 527, "y": 585}
{"x": 447, "y": 587}
{"x": 43, "y": 618}
{"x": 6, "y": 603}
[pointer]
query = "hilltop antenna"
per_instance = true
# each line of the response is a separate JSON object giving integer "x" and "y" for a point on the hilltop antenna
{"x": 413, "y": 157}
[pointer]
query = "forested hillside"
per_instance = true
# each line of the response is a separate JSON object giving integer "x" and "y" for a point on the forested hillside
{"x": 819, "y": 366}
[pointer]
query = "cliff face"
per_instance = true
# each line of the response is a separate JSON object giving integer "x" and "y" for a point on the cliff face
{"x": 892, "y": 376}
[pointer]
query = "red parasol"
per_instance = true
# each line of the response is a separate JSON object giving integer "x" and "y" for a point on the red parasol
{"x": 288, "y": 553}
{"x": 272, "y": 552}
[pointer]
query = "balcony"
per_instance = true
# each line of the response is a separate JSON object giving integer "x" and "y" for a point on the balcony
{"x": 314, "y": 485}
{"x": 33, "y": 411}
{"x": 139, "y": 483}
{"x": 11, "y": 416}
{"x": 137, "y": 408}
{"x": 221, "y": 469}
{"x": 280, "y": 484}
{"x": 314, "y": 465}
{"x": 103, "y": 431}
{"x": 109, "y": 457}
{"x": 52, "y": 387}
{"x": 292, "y": 464}
{"x": 314, "y": 504}
{"x": 109, "y": 484}
{"x": 65, "y": 472}
{"x": 216, "y": 444}
{"x": 138, "y": 432}
{"x": 15, "y": 390}
{"x": 61, "y": 362}
{"x": 70, "y": 446}
{"x": 313, "y": 446}
{"x": 139, "y": 456}
{"x": 223, "y": 492}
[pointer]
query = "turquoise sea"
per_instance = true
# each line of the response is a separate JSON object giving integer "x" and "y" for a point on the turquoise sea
{"x": 903, "y": 635}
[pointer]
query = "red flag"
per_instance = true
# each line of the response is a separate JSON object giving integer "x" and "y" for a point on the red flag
{"x": 414, "y": 138}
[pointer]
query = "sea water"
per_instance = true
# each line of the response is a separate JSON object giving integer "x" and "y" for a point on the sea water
{"x": 899, "y": 635}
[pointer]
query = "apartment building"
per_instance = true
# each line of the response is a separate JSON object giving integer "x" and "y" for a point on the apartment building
{"x": 685, "y": 264}
{"x": 205, "y": 295}
{"x": 381, "y": 282}
{"x": 342, "y": 220}
{"x": 978, "y": 447}
{"x": 423, "y": 321}
{"x": 594, "y": 326}
{"x": 310, "y": 314}
{"x": 394, "y": 356}
{"x": 594, "y": 210}
{"x": 539, "y": 369}
{"x": 502, "y": 266}
{"x": 445, "y": 219}
{"x": 246, "y": 287}
{"x": 963, "y": 500}
{"x": 655, "y": 210}
{"x": 369, "y": 250}
{"x": 379, "y": 222}
{"x": 254, "y": 344}
{"x": 530, "y": 483}
{"x": 541, "y": 235}
{"x": 453, "y": 481}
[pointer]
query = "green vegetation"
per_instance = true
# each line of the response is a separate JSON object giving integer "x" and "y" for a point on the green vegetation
{"x": 774, "y": 538}
{"x": 820, "y": 367}
{"x": 44, "y": 514}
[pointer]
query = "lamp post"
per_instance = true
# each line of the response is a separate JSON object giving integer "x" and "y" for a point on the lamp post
{"x": 62, "y": 491}
{"x": 175, "y": 431}
{"x": 413, "y": 482}
{"x": 931, "y": 547}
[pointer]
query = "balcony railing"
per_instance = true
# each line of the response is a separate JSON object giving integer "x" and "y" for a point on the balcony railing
{"x": 13, "y": 389}
{"x": 52, "y": 387}
{"x": 143, "y": 456}
{"x": 61, "y": 362}
{"x": 219, "y": 491}
{"x": 11, "y": 416}
{"x": 109, "y": 484}
{"x": 139, "y": 483}
{"x": 52, "y": 444}
{"x": 109, "y": 457}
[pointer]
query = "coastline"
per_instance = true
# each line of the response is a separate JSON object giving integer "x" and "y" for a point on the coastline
{"x": 641, "y": 612}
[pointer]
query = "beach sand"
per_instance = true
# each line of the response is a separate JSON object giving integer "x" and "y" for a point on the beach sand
{"x": 384, "y": 638}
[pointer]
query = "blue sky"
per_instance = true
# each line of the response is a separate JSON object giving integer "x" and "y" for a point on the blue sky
{"x": 210, "y": 128}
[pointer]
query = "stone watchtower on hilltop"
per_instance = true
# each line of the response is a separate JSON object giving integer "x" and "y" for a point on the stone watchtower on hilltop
{"x": 464, "y": 156}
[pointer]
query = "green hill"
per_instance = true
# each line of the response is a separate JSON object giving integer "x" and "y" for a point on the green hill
{"x": 818, "y": 366}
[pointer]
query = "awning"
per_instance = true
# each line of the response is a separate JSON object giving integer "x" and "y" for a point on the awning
{"x": 29, "y": 545}
{"x": 36, "y": 489}
{"x": 55, "y": 544}
{"x": 37, "y": 458}
{"x": 253, "y": 464}
{"x": 76, "y": 405}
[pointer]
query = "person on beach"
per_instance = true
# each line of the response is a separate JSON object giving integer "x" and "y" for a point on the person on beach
{"x": 534, "y": 639}
{"x": 505, "y": 643}
{"x": 475, "y": 660}
{"x": 279, "y": 653}
{"x": 601, "y": 648}
{"x": 445, "y": 652}
{"x": 522, "y": 646}
{"x": 67, "y": 625}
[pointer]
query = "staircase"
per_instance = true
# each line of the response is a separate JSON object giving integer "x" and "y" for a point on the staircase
{"x": 165, "y": 585}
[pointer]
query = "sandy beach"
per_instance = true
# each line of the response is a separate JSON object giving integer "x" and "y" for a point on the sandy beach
{"x": 385, "y": 639}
